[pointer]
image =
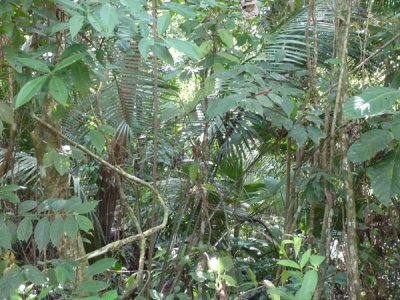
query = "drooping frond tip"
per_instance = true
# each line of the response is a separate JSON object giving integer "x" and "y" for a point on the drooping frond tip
{"x": 249, "y": 9}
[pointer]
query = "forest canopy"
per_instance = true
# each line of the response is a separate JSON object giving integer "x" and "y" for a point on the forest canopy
{"x": 199, "y": 149}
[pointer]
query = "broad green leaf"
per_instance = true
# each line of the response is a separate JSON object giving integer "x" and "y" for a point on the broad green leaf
{"x": 222, "y": 106}
{"x": 371, "y": 102}
{"x": 182, "y": 9}
{"x": 92, "y": 286}
{"x": 287, "y": 106}
{"x": 45, "y": 291}
{"x": 1, "y": 127}
{"x": 369, "y": 144}
{"x": 6, "y": 112}
{"x": 60, "y": 275}
{"x": 10, "y": 281}
{"x": 144, "y": 46}
{"x": 316, "y": 260}
{"x": 304, "y": 258}
{"x": 71, "y": 226}
{"x": 10, "y": 196}
{"x": 226, "y": 37}
{"x": 299, "y": 134}
{"x": 110, "y": 295}
{"x": 57, "y": 230}
{"x": 252, "y": 276}
{"x": 48, "y": 158}
{"x": 98, "y": 140}
{"x": 24, "y": 230}
{"x": 228, "y": 57}
{"x": 58, "y": 90}
{"x": 289, "y": 263}
{"x": 395, "y": 127}
{"x": 297, "y": 241}
{"x": 9, "y": 188}
{"x": 206, "y": 47}
{"x": 35, "y": 64}
{"x": 80, "y": 77}
{"x": 187, "y": 48}
{"x": 5, "y": 236}
{"x": 100, "y": 266}
{"x": 26, "y": 206}
{"x": 69, "y": 61}
{"x": 228, "y": 279}
{"x": 226, "y": 262}
{"x": 75, "y": 24}
{"x": 95, "y": 21}
{"x": 109, "y": 18}
{"x": 42, "y": 233}
{"x": 385, "y": 177}
{"x": 84, "y": 223}
{"x": 86, "y": 207}
{"x": 78, "y": 154}
{"x": 163, "y": 53}
{"x": 61, "y": 163}
{"x": 29, "y": 90}
{"x": 315, "y": 133}
{"x": 34, "y": 275}
{"x": 163, "y": 23}
{"x": 307, "y": 286}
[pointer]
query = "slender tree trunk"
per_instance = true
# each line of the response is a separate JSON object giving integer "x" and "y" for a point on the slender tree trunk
{"x": 55, "y": 185}
{"x": 351, "y": 257}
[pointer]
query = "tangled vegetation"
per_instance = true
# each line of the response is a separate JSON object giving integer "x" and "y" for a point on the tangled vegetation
{"x": 199, "y": 149}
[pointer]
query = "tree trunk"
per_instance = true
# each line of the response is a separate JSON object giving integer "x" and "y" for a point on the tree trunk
{"x": 55, "y": 185}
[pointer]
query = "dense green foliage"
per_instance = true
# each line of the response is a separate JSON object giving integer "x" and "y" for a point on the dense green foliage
{"x": 184, "y": 150}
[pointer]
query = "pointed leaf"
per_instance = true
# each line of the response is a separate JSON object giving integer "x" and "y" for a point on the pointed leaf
{"x": 163, "y": 23}
{"x": 61, "y": 163}
{"x": 163, "y": 53}
{"x": 68, "y": 61}
{"x": 81, "y": 78}
{"x": 369, "y": 144}
{"x": 299, "y": 134}
{"x": 58, "y": 90}
{"x": 29, "y": 90}
{"x": 187, "y": 48}
{"x": 75, "y": 24}
{"x": 42, "y": 233}
{"x": 6, "y": 113}
{"x": 315, "y": 133}
{"x": 24, "y": 230}
{"x": 71, "y": 226}
{"x": 100, "y": 266}
{"x": 372, "y": 101}
{"x": 226, "y": 37}
{"x": 98, "y": 140}
{"x": 144, "y": 46}
{"x": 35, "y": 64}
{"x": 385, "y": 177}
{"x": 5, "y": 236}
{"x": 316, "y": 260}
{"x": 57, "y": 230}
{"x": 94, "y": 20}
{"x": 228, "y": 279}
{"x": 182, "y": 9}
{"x": 304, "y": 258}
{"x": 84, "y": 223}
{"x": 308, "y": 286}
{"x": 34, "y": 275}
{"x": 109, "y": 18}
{"x": 289, "y": 263}
{"x": 92, "y": 286}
